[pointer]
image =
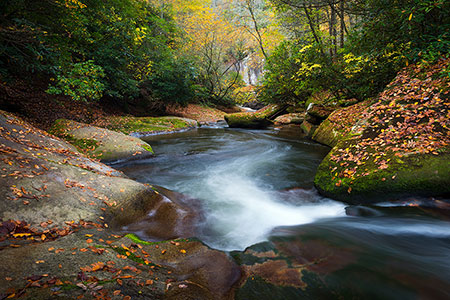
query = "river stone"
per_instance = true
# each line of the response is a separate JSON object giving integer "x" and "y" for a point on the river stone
{"x": 111, "y": 146}
{"x": 258, "y": 119}
{"x": 174, "y": 215}
{"x": 292, "y": 118}
{"x": 396, "y": 147}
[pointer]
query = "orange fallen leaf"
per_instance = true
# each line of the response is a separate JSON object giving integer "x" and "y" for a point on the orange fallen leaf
{"x": 149, "y": 282}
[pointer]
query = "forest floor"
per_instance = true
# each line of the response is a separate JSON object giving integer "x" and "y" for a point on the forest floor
{"x": 33, "y": 104}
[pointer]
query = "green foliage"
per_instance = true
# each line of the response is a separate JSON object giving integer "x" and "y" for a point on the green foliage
{"x": 389, "y": 35}
{"x": 80, "y": 81}
{"x": 289, "y": 74}
{"x": 129, "y": 41}
{"x": 171, "y": 82}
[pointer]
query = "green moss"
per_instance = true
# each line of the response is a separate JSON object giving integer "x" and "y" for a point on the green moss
{"x": 414, "y": 175}
{"x": 60, "y": 129}
{"x": 134, "y": 238}
{"x": 308, "y": 128}
{"x": 82, "y": 144}
{"x": 147, "y": 148}
{"x": 128, "y": 125}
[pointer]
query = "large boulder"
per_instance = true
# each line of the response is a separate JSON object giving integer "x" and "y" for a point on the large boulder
{"x": 339, "y": 123}
{"x": 62, "y": 216}
{"x": 399, "y": 145}
{"x": 107, "y": 145}
{"x": 258, "y": 119}
{"x": 143, "y": 126}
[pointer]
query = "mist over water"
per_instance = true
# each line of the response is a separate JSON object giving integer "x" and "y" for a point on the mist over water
{"x": 242, "y": 179}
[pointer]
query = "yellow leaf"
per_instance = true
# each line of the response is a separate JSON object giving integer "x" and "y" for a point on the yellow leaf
{"x": 21, "y": 234}
{"x": 410, "y": 17}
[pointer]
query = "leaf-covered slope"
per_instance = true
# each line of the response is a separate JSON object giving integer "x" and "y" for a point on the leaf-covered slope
{"x": 399, "y": 145}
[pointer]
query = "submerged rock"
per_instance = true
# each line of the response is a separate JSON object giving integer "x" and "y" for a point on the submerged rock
{"x": 259, "y": 119}
{"x": 107, "y": 145}
{"x": 396, "y": 147}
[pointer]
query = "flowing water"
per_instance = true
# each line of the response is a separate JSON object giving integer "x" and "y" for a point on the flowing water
{"x": 256, "y": 186}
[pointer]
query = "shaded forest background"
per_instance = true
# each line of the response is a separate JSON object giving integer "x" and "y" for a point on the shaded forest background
{"x": 158, "y": 53}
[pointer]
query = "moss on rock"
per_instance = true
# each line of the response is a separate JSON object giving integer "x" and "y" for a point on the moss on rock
{"x": 101, "y": 143}
{"x": 308, "y": 128}
{"x": 397, "y": 146}
{"x": 143, "y": 125}
{"x": 339, "y": 123}
{"x": 259, "y": 119}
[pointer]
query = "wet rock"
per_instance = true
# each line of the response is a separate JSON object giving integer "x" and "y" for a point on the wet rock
{"x": 172, "y": 215}
{"x": 107, "y": 145}
{"x": 361, "y": 211}
{"x": 338, "y": 124}
{"x": 199, "y": 272}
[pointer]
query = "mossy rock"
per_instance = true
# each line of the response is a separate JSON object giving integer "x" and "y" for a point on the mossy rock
{"x": 317, "y": 113}
{"x": 96, "y": 142}
{"x": 148, "y": 125}
{"x": 308, "y": 128}
{"x": 415, "y": 175}
{"x": 338, "y": 124}
{"x": 397, "y": 146}
{"x": 259, "y": 119}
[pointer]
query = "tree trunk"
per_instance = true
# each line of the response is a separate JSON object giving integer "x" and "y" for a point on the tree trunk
{"x": 332, "y": 30}
{"x": 342, "y": 28}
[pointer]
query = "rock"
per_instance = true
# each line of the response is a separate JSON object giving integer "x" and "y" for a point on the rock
{"x": 109, "y": 146}
{"x": 292, "y": 118}
{"x": 308, "y": 128}
{"x": 316, "y": 113}
{"x": 61, "y": 217}
{"x": 259, "y": 119}
{"x": 59, "y": 184}
{"x": 176, "y": 215}
{"x": 202, "y": 273}
{"x": 398, "y": 147}
{"x": 338, "y": 124}
{"x": 291, "y": 268}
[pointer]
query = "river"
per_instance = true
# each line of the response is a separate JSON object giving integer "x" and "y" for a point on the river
{"x": 256, "y": 190}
